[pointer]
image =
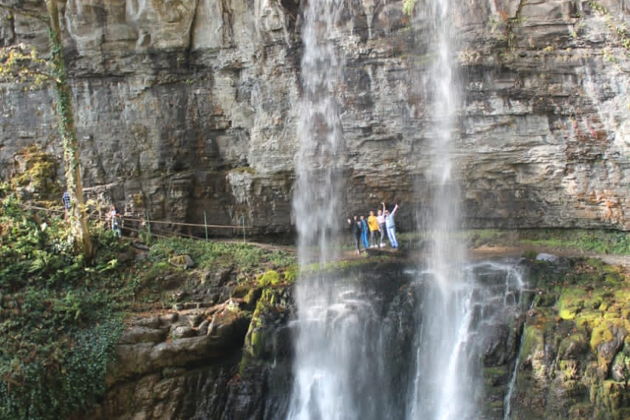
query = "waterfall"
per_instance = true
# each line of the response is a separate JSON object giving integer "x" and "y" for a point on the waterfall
{"x": 445, "y": 380}
{"x": 414, "y": 354}
{"x": 317, "y": 196}
{"x": 332, "y": 321}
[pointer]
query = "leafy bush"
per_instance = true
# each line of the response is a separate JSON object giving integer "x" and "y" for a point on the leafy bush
{"x": 60, "y": 317}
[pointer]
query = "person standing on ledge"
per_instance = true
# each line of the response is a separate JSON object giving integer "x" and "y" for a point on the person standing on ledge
{"x": 364, "y": 233}
{"x": 381, "y": 227}
{"x": 355, "y": 230}
{"x": 373, "y": 225}
{"x": 390, "y": 224}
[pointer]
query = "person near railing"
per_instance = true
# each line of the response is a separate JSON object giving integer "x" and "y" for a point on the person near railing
{"x": 115, "y": 222}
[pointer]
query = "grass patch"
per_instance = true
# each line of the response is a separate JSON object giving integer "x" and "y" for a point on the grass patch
{"x": 599, "y": 241}
{"x": 212, "y": 255}
{"x": 596, "y": 241}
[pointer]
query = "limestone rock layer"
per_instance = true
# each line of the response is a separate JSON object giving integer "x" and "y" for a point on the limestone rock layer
{"x": 191, "y": 106}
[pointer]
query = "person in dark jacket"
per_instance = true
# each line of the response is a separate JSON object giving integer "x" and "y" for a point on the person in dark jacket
{"x": 355, "y": 230}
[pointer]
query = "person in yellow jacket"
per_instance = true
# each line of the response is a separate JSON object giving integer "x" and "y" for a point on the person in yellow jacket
{"x": 373, "y": 226}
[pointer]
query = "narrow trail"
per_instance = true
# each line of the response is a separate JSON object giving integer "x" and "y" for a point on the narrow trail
{"x": 612, "y": 259}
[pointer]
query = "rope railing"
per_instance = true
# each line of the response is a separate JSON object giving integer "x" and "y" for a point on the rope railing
{"x": 148, "y": 222}
{"x": 166, "y": 222}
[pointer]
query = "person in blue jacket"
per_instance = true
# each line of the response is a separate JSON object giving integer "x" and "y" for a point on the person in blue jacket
{"x": 390, "y": 225}
{"x": 364, "y": 233}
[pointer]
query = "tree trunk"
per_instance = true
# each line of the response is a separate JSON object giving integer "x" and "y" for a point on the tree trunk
{"x": 77, "y": 214}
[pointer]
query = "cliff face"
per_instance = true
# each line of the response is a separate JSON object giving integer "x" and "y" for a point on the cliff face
{"x": 186, "y": 106}
{"x": 560, "y": 345}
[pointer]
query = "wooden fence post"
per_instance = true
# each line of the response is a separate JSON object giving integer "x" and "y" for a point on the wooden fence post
{"x": 205, "y": 224}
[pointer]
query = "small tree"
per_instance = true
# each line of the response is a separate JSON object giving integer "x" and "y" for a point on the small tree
{"x": 20, "y": 64}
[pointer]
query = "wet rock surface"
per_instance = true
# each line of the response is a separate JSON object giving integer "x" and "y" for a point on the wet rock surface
{"x": 557, "y": 346}
{"x": 235, "y": 359}
{"x": 573, "y": 353}
{"x": 186, "y": 107}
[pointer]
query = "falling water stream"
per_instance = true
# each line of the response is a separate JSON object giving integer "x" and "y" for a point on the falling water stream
{"x": 329, "y": 331}
{"x": 445, "y": 378}
{"x": 346, "y": 334}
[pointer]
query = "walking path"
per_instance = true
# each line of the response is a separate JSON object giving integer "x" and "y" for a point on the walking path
{"x": 612, "y": 259}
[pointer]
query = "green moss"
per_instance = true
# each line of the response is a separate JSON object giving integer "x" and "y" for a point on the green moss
{"x": 611, "y": 395}
{"x": 495, "y": 375}
{"x": 571, "y": 302}
{"x": 588, "y": 319}
{"x": 291, "y": 274}
{"x": 602, "y": 333}
{"x": 253, "y": 348}
{"x": 344, "y": 265}
{"x": 593, "y": 304}
{"x": 241, "y": 290}
{"x": 496, "y": 405}
{"x": 609, "y": 242}
{"x": 533, "y": 340}
{"x": 613, "y": 279}
{"x": 574, "y": 341}
{"x": 39, "y": 173}
{"x": 622, "y": 295}
{"x": 408, "y": 6}
{"x": 599, "y": 241}
{"x": 252, "y": 296}
{"x": 530, "y": 254}
{"x": 270, "y": 278}
{"x": 568, "y": 369}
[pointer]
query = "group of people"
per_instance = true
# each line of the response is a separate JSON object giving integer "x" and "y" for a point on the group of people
{"x": 365, "y": 231}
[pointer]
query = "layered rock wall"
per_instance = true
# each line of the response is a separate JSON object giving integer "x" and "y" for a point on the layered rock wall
{"x": 560, "y": 345}
{"x": 190, "y": 106}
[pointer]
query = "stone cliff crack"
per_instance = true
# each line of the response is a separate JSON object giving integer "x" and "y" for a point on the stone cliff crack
{"x": 191, "y": 29}
{"x": 226, "y": 14}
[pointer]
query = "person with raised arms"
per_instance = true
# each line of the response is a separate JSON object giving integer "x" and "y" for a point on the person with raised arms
{"x": 390, "y": 225}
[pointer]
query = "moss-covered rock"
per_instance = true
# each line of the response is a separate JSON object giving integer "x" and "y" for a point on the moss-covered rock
{"x": 573, "y": 353}
{"x": 291, "y": 274}
{"x": 36, "y": 174}
{"x": 269, "y": 278}
{"x": 264, "y": 339}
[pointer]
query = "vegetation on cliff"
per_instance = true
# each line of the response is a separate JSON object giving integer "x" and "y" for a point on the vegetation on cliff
{"x": 17, "y": 64}
{"x": 573, "y": 241}
{"x": 59, "y": 315}
{"x": 575, "y": 352}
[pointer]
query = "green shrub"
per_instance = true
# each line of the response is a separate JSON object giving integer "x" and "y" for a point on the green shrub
{"x": 60, "y": 317}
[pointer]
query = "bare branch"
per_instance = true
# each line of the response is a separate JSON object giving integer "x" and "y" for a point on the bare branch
{"x": 25, "y": 12}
